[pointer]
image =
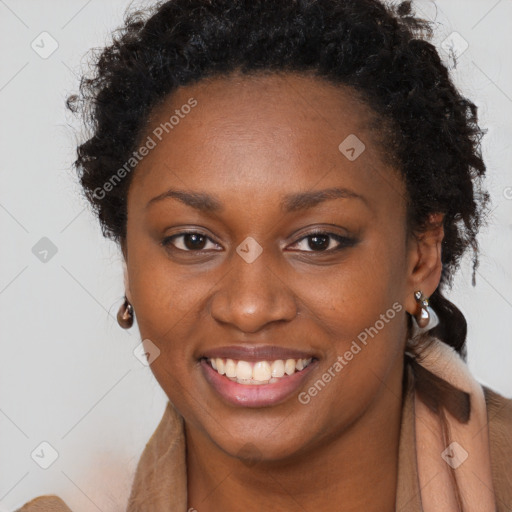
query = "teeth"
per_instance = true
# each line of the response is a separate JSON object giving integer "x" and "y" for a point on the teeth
{"x": 277, "y": 368}
{"x": 243, "y": 370}
{"x": 289, "y": 366}
{"x": 261, "y": 372}
{"x": 230, "y": 368}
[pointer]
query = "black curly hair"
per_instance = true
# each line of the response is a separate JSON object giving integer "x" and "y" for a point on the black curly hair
{"x": 380, "y": 51}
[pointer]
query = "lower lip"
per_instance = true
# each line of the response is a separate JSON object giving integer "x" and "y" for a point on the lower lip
{"x": 255, "y": 395}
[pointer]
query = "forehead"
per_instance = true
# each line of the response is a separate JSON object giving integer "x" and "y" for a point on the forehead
{"x": 263, "y": 134}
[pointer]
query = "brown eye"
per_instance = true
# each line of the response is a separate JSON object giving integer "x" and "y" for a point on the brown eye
{"x": 193, "y": 241}
{"x": 318, "y": 242}
{"x": 324, "y": 242}
{"x": 189, "y": 241}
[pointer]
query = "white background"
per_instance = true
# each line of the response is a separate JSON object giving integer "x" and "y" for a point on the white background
{"x": 67, "y": 372}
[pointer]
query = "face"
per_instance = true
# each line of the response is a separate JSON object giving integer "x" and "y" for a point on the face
{"x": 252, "y": 237}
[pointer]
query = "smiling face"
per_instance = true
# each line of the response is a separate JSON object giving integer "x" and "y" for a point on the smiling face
{"x": 258, "y": 157}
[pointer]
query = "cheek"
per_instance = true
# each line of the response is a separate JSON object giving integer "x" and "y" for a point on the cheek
{"x": 165, "y": 296}
{"x": 169, "y": 303}
{"x": 362, "y": 318}
{"x": 363, "y": 339}
{"x": 352, "y": 296}
{"x": 362, "y": 336}
{"x": 170, "y": 314}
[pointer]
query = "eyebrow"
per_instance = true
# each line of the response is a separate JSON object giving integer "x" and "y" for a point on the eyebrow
{"x": 198, "y": 200}
{"x": 305, "y": 200}
{"x": 292, "y": 202}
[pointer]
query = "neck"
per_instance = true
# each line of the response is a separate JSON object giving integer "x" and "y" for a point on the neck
{"x": 356, "y": 469}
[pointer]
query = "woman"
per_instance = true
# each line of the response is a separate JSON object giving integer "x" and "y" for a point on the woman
{"x": 292, "y": 185}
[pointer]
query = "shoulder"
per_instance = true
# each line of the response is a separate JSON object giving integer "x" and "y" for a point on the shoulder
{"x": 48, "y": 503}
{"x": 499, "y": 415}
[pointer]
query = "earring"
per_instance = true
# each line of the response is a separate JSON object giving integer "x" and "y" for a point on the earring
{"x": 125, "y": 314}
{"x": 423, "y": 315}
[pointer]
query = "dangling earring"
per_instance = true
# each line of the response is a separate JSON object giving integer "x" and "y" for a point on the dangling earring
{"x": 423, "y": 315}
{"x": 125, "y": 314}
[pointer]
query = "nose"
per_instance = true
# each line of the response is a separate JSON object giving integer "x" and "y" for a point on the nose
{"x": 251, "y": 296}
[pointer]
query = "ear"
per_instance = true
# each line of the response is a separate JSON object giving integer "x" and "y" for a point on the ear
{"x": 424, "y": 260}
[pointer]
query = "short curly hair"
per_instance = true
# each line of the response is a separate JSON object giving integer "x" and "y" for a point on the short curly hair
{"x": 380, "y": 51}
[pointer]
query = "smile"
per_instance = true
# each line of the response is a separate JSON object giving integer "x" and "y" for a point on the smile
{"x": 259, "y": 382}
{"x": 258, "y": 372}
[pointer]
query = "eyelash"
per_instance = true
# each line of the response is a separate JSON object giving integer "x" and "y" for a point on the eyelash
{"x": 343, "y": 241}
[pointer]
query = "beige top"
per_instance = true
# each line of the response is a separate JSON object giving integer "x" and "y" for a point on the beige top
{"x": 160, "y": 482}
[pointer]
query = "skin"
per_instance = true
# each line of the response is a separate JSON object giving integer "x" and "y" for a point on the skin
{"x": 249, "y": 142}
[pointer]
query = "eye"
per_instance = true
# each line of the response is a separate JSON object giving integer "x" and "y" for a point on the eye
{"x": 189, "y": 241}
{"x": 321, "y": 241}
{"x": 318, "y": 241}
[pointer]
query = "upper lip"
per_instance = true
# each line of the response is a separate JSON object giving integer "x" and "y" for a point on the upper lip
{"x": 256, "y": 353}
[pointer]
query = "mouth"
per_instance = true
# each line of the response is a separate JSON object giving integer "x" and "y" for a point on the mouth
{"x": 257, "y": 373}
{"x": 256, "y": 378}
